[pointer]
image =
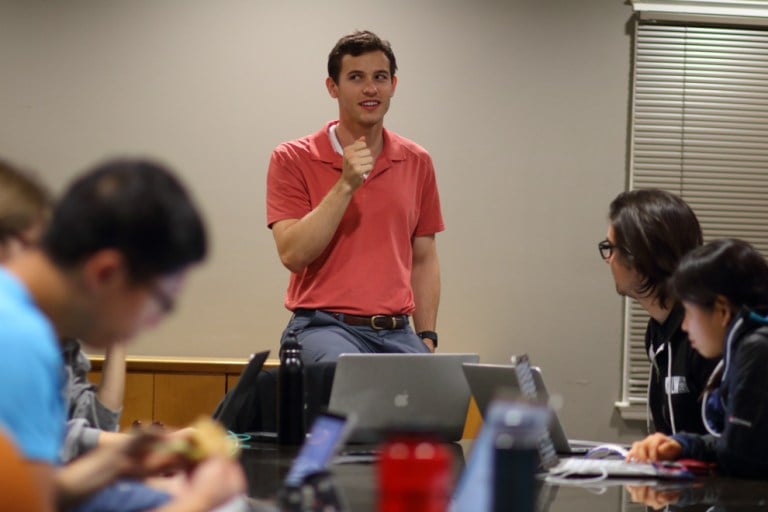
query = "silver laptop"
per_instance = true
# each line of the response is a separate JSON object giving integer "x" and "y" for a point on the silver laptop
{"x": 487, "y": 380}
{"x": 407, "y": 392}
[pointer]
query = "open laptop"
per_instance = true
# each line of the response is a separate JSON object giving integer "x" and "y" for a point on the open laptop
{"x": 243, "y": 397}
{"x": 406, "y": 392}
{"x": 486, "y": 381}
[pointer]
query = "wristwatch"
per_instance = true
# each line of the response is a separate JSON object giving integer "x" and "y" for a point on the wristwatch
{"x": 430, "y": 335}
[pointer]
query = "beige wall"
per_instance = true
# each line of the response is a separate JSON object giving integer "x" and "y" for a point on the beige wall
{"x": 522, "y": 103}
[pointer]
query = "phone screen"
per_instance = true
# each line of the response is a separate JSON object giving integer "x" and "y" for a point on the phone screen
{"x": 318, "y": 448}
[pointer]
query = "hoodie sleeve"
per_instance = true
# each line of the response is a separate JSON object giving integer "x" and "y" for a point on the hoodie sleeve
{"x": 83, "y": 399}
{"x": 79, "y": 439}
{"x": 696, "y": 446}
{"x": 742, "y": 449}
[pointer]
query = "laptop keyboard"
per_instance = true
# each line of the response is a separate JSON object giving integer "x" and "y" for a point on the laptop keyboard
{"x": 607, "y": 467}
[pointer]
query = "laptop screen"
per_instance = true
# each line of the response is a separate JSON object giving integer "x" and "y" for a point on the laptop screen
{"x": 402, "y": 392}
{"x": 243, "y": 395}
{"x": 487, "y": 381}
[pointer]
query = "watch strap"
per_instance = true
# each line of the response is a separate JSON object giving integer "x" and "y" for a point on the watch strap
{"x": 430, "y": 335}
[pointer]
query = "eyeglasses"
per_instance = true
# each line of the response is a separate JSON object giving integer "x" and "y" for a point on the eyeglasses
{"x": 606, "y": 249}
{"x": 163, "y": 299}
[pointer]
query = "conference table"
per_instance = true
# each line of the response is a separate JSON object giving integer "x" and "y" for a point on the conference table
{"x": 266, "y": 464}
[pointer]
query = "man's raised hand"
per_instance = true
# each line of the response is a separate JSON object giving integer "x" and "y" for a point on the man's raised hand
{"x": 358, "y": 162}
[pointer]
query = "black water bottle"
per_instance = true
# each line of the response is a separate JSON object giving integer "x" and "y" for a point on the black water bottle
{"x": 290, "y": 393}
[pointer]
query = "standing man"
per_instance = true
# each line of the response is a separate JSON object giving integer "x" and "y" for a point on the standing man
{"x": 354, "y": 209}
{"x": 648, "y": 234}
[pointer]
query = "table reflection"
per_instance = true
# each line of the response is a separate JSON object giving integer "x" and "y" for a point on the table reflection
{"x": 710, "y": 494}
{"x": 266, "y": 465}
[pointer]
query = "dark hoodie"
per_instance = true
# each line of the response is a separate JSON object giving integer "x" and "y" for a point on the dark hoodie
{"x": 690, "y": 372}
{"x": 738, "y": 409}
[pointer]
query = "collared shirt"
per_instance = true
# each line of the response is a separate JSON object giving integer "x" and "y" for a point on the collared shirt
{"x": 366, "y": 268}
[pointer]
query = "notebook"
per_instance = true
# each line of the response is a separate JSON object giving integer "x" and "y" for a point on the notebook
{"x": 486, "y": 380}
{"x": 414, "y": 392}
{"x": 242, "y": 397}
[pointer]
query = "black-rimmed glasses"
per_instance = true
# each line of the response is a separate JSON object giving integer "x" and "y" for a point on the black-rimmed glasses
{"x": 606, "y": 249}
{"x": 163, "y": 299}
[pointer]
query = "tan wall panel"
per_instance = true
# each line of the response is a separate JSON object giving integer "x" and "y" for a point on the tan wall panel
{"x": 474, "y": 421}
{"x": 232, "y": 380}
{"x": 182, "y": 398}
{"x": 139, "y": 398}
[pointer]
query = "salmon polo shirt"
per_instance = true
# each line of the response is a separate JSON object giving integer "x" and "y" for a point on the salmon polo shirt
{"x": 366, "y": 268}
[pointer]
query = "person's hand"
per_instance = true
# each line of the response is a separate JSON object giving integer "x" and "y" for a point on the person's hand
{"x": 429, "y": 343}
{"x": 654, "y": 498}
{"x": 215, "y": 481}
{"x": 655, "y": 447}
{"x": 138, "y": 456}
{"x": 358, "y": 162}
{"x": 182, "y": 433}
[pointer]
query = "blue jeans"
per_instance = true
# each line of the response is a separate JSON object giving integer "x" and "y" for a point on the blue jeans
{"x": 323, "y": 338}
{"x": 124, "y": 496}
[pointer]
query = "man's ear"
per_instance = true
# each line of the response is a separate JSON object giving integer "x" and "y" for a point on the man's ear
{"x": 103, "y": 270}
{"x": 333, "y": 89}
{"x": 722, "y": 308}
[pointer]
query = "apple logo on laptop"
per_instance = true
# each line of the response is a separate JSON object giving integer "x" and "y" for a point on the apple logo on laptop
{"x": 401, "y": 399}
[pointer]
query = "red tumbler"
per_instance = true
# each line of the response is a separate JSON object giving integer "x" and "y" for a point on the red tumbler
{"x": 414, "y": 475}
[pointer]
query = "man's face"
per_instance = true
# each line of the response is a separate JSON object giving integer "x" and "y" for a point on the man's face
{"x": 627, "y": 279}
{"x": 119, "y": 309}
{"x": 364, "y": 90}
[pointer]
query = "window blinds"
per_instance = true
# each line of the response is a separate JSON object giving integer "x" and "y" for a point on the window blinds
{"x": 700, "y": 130}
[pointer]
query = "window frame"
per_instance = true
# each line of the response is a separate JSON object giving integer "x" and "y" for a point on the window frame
{"x": 715, "y": 129}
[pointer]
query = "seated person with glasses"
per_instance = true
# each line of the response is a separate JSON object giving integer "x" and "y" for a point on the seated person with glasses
{"x": 110, "y": 263}
{"x": 93, "y": 411}
{"x": 649, "y": 232}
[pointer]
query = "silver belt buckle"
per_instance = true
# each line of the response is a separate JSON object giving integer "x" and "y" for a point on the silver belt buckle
{"x": 376, "y": 327}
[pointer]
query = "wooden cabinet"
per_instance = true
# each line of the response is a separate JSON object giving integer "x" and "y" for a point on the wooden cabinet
{"x": 173, "y": 391}
{"x": 181, "y": 399}
{"x": 139, "y": 398}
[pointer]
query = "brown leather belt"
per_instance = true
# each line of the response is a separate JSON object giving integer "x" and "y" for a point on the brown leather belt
{"x": 377, "y": 322}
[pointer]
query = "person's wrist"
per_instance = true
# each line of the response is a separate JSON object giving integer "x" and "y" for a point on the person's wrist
{"x": 428, "y": 335}
{"x": 346, "y": 184}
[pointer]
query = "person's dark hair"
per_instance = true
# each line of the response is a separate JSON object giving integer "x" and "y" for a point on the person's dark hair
{"x": 653, "y": 230}
{"x": 24, "y": 202}
{"x": 356, "y": 44}
{"x": 137, "y": 207}
{"x": 728, "y": 267}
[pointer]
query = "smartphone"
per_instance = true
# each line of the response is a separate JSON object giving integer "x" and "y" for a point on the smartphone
{"x": 328, "y": 433}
